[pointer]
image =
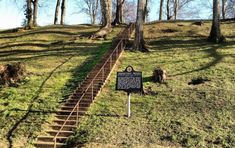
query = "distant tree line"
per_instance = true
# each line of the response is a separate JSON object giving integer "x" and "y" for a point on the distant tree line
{"x": 114, "y": 12}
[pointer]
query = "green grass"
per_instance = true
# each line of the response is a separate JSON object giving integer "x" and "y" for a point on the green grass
{"x": 56, "y": 59}
{"x": 177, "y": 114}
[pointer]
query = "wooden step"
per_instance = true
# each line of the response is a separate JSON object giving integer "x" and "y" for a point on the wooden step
{"x": 72, "y": 107}
{"x": 51, "y": 139}
{"x": 72, "y": 117}
{"x": 65, "y": 127}
{"x": 61, "y": 133}
{"x": 48, "y": 144}
{"x": 83, "y": 100}
{"x": 82, "y": 104}
{"x": 67, "y": 112}
{"x": 62, "y": 121}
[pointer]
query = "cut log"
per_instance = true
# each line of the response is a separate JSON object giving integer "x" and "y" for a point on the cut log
{"x": 159, "y": 75}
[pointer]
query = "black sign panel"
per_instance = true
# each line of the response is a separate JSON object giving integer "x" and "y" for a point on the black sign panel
{"x": 129, "y": 80}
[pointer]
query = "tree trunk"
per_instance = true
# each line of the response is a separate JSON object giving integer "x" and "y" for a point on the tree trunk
{"x": 223, "y": 9}
{"x": 29, "y": 15}
{"x": 215, "y": 34}
{"x": 57, "y": 9}
{"x": 160, "y": 11}
{"x": 139, "y": 43}
{"x": 119, "y": 12}
{"x": 63, "y": 9}
{"x": 146, "y": 11}
{"x": 176, "y": 8}
{"x": 106, "y": 6}
{"x": 35, "y": 12}
{"x": 168, "y": 9}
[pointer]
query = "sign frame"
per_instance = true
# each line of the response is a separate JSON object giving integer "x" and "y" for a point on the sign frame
{"x": 130, "y": 70}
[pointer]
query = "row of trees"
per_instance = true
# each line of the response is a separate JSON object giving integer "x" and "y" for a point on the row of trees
{"x": 142, "y": 12}
{"x": 125, "y": 10}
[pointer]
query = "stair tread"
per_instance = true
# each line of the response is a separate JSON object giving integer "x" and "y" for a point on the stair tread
{"x": 46, "y": 136}
{"x": 49, "y": 143}
{"x": 62, "y": 131}
{"x": 60, "y": 125}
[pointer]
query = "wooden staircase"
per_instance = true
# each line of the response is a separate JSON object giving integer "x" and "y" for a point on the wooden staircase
{"x": 67, "y": 117}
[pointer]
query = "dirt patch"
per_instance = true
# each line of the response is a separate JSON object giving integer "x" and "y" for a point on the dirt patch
{"x": 169, "y": 30}
{"x": 197, "y": 81}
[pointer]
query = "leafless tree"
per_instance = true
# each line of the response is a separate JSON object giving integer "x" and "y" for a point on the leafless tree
{"x": 29, "y": 14}
{"x": 215, "y": 34}
{"x": 139, "y": 43}
{"x": 35, "y": 12}
{"x": 57, "y": 9}
{"x": 106, "y": 6}
{"x": 63, "y": 11}
{"x": 160, "y": 9}
{"x": 119, "y": 12}
{"x": 130, "y": 8}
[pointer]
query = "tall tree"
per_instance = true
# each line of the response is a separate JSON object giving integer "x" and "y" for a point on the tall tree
{"x": 168, "y": 9}
{"x": 63, "y": 11}
{"x": 106, "y": 6}
{"x": 176, "y": 2}
{"x": 146, "y": 10}
{"x": 160, "y": 10}
{"x": 35, "y": 12}
{"x": 139, "y": 43}
{"x": 29, "y": 14}
{"x": 224, "y": 8}
{"x": 119, "y": 12}
{"x": 215, "y": 34}
{"x": 57, "y": 9}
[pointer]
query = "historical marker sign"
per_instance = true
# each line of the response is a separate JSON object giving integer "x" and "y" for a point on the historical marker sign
{"x": 129, "y": 80}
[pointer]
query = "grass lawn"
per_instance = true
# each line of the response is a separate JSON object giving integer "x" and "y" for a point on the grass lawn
{"x": 176, "y": 114}
{"x": 56, "y": 59}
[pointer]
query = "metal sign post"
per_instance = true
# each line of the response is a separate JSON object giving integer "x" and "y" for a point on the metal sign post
{"x": 129, "y": 105}
{"x": 129, "y": 81}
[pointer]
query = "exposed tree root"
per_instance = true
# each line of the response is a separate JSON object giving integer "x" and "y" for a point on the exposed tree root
{"x": 11, "y": 74}
{"x": 102, "y": 33}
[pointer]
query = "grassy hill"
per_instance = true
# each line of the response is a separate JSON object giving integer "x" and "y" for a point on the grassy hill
{"x": 57, "y": 59}
{"x": 175, "y": 114}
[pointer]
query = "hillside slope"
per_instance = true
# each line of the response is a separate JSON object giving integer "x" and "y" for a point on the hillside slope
{"x": 57, "y": 58}
{"x": 175, "y": 114}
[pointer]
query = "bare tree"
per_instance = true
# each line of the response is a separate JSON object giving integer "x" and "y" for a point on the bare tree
{"x": 129, "y": 12}
{"x": 224, "y": 8}
{"x": 139, "y": 43}
{"x": 106, "y": 6}
{"x": 119, "y": 12}
{"x": 35, "y": 12}
{"x": 230, "y": 8}
{"x": 160, "y": 9}
{"x": 146, "y": 10}
{"x": 176, "y": 4}
{"x": 168, "y": 10}
{"x": 57, "y": 9}
{"x": 215, "y": 34}
{"x": 29, "y": 14}
{"x": 63, "y": 11}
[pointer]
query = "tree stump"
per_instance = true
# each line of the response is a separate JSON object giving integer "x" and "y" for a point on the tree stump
{"x": 12, "y": 74}
{"x": 159, "y": 75}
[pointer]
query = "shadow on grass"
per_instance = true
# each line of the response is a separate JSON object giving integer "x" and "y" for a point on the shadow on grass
{"x": 77, "y": 76}
{"x": 33, "y": 99}
{"x": 57, "y": 51}
{"x": 193, "y": 44}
